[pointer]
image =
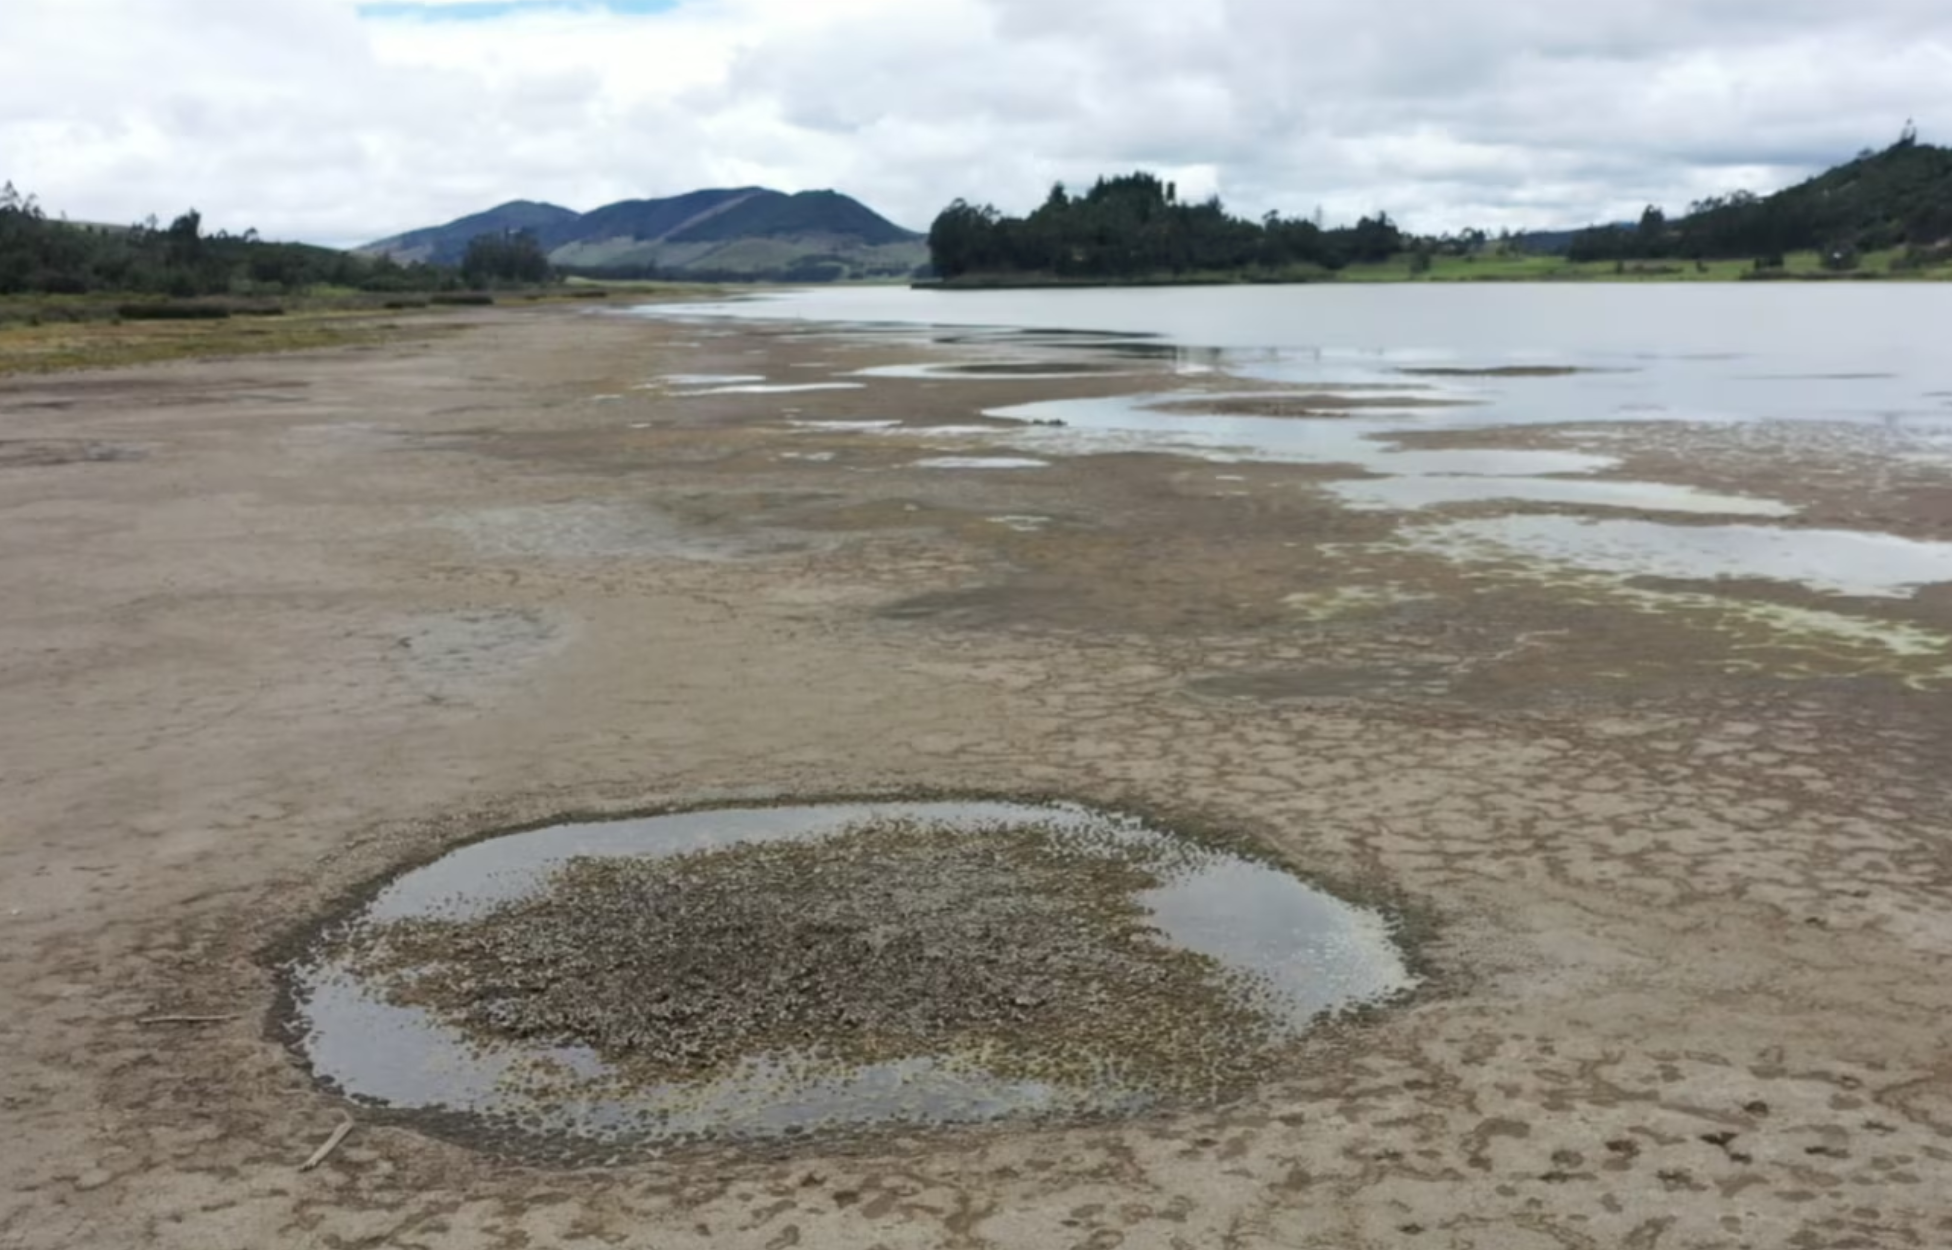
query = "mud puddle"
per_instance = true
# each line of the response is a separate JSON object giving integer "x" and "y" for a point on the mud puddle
{"x": 981, "y": 462}
{"x": 1843, "y": 562}
{"x": 1398, "y": 494}
{"x": 1001, "y": 370}
{"x": 591, "y": 991}
{"x": 771, "y": 388}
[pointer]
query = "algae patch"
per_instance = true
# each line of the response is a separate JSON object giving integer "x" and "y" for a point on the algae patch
{"x": 759, "y": 973}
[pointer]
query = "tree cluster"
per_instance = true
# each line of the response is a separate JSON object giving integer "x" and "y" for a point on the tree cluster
{"x": 50, "y": 256}
{"x": 44, "y": 255}
{"x": 1136, "y": 226}
{"x": 512, "y": 258}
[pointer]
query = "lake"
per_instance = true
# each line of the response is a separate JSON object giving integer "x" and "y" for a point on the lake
{"x": 1855, "y": 351}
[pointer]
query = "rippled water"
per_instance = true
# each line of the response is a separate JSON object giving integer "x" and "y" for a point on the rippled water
{"x": 1297, "y": 951}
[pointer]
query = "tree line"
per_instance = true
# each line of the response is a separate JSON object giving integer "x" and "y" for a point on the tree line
{"x": 49, "y": 256}
{"x": 1136, "y": 226}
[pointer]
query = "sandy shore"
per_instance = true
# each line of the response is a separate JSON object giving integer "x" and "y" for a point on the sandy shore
{"x": 272, "y": 627}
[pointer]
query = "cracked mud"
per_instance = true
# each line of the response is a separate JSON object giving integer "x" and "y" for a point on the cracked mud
{"x": 1683, "y": 825}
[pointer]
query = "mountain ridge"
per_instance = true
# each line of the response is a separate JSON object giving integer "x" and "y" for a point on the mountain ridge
{"x": 752, "y": 233}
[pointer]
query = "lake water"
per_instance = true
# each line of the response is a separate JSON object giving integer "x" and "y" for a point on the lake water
{"x": 1764, "y": 349}
{"x": 1829, "y": 371}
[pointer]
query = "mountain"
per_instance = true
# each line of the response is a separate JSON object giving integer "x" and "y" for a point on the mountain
{"x": 741, "y": 233}
{"x": 445, "y": 245}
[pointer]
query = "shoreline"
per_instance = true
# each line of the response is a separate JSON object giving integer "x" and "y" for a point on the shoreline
{"x": 279, "y": 626}
{"x": 1024, "y": 283}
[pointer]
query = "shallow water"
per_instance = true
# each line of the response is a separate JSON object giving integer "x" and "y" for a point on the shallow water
{"x": 773, "y": 388}
{"x": 1138, "y": 423}
{"x": 1002, "y": 371}
{"x": 1436, "y": 490}
{"x": 981, "y": 462}
{"x": 1297, "y": 953}
{"x": 706, "y": 379}
{"x": 1845, "y": 562}
{"x": 841, "y": 427}
{"x": 1817, "y": 372}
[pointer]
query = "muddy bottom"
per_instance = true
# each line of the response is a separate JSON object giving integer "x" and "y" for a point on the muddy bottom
{"x": 588, "y": 991}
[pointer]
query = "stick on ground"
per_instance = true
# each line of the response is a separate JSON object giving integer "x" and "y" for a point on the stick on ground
{"x": 148, "y": 1021}
{"x": 331, "y": 1144}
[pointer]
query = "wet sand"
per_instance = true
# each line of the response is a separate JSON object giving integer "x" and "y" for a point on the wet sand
{"x": 273, "y": 628}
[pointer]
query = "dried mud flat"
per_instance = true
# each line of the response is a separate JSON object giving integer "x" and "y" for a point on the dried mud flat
{"x": 1685, "y": 844}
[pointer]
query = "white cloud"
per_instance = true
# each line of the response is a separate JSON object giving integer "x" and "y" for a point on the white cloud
{"x": 315, "y": 119}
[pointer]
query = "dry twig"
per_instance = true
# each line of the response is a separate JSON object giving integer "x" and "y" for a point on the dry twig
{"x": 331, "y": 1144}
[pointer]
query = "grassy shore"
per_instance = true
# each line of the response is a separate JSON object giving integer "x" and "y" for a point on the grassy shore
{"x": 1509, "y": 267}
{"x": 1797, "y": 266}
{"x": 46, "y": 333}
{"x": 28, "y": 346}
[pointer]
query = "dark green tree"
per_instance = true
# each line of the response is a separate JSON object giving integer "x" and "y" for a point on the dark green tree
{"x": 1135, "y": 225}
{"x": 43, "y": 255}
{"x": 514, "y": 258}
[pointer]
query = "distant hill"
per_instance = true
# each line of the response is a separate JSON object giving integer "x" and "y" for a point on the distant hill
{"x": 749, "y": 233}
{"x": 445, "y": 245}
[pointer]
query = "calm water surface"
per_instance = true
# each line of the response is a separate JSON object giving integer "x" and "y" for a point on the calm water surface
{"x": 1858, "y": 352}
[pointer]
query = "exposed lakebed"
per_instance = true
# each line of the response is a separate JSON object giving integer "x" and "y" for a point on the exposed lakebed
{"x": 1775, "y": 449}
{"x": 779, "y": 972}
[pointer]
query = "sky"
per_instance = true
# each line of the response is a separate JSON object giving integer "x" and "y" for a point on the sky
{"x": 341, "y": 121}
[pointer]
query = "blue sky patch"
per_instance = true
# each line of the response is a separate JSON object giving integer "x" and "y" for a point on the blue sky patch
{"x": 486, "y": 10}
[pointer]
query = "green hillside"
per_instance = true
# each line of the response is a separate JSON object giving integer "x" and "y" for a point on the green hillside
{"x": 446, "y": 245}
{"x": 40, "y": 255}
{"x": 771, "y": 215}
{"x": 1898, "y": 198}
{"x": 647, "y": 221}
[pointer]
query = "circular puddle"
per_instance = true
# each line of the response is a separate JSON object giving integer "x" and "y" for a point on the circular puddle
{"x": 590, "y": 991}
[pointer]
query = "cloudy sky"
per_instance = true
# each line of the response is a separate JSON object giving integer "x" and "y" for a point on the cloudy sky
{"x": 339, "y": 121}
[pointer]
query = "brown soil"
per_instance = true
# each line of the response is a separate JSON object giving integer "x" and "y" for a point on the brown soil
{"x": 347, "y": 608}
